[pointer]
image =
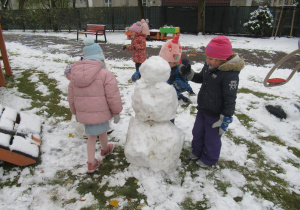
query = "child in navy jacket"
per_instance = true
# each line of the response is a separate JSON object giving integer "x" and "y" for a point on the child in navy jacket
{"x": 216, "y": 99}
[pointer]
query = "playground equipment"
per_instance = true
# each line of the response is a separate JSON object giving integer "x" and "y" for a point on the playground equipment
{"x": 3, "y": 57}
{"x": 279, "y": 81}
{"x": 284, "y": 7}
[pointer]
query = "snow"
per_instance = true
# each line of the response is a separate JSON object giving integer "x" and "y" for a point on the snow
{"x": 24, "y": 145}
{"x": 154, "y": 99}
{"x": 4, "y": 139}
{"x": 152, "y": 140}
{"x": 60, "y": 152}
{"x": 29, "y": 124}
{"x": 8, "y": 119}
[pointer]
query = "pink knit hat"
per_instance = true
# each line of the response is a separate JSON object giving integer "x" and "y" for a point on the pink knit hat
{"x": 171, "y": 50}
{"x": 219, "y": 48}
{"x": 136, "y": 27}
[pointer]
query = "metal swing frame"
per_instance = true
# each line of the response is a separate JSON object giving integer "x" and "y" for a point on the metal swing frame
{"x": 279, "y": 81}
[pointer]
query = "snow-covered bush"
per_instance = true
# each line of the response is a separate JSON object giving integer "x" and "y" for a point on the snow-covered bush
{"x": 261, "y": 22}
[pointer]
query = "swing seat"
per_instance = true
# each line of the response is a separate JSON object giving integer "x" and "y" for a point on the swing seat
{"x": 276, "y": 80}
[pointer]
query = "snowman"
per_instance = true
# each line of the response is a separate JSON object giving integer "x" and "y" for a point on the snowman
{"x": 152, "y": 140}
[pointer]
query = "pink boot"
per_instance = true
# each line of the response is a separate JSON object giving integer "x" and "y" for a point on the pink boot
{"x": 93, "y": 166}
{"x": 109, "y": 149}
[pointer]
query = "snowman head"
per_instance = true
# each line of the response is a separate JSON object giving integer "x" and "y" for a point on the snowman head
{"x": 155, "y": 69}
{"x": 171, "y": 50}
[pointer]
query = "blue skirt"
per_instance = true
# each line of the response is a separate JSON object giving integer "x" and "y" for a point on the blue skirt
{"x": 96, "y": 129}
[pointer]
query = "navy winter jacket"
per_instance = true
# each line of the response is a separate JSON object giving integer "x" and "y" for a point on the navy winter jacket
{"x": 175, "y": 75}
{"x": 218, "y": 92}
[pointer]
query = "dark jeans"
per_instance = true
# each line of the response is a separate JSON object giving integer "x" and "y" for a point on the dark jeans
{"x": 137, "y": 66}
{"x": 206, "y": 142}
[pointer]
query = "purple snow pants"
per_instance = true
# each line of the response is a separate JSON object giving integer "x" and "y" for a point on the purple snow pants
{"x": 206, "y": 142}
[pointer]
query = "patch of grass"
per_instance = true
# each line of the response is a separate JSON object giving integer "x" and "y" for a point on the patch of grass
{"x": 273, "y": 139}
{"x": 295, "y": 151}
{"x": 189, "y": 204}
{"x": 123, "y": 67}
{"x": 48, "y": 104}
{"x": 185, "y": 106}
{"x": 258, "y": 94}
{"x": 11, "y": 182}
{"x": 57, "y": 60}
{"x": 252, "y": 105}
{"x": 263, "y": 181}
{"x": 233, "y": 138}
{"x": 193, "y": 110}
{"x": 189, "y": 166}
{"x": 222, "y": 186}
{"x": 245, "y": 120}
{"x": 129, "y": 190}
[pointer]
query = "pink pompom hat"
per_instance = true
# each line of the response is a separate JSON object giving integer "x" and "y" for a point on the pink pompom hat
{"x": 136, "y": 27}
{"x": 219, "y": 48}
{"x": 171, "y": 50}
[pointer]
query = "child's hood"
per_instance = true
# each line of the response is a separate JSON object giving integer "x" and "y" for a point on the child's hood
{"x": 234, "y": 64}
{"x": 85, "y": 72}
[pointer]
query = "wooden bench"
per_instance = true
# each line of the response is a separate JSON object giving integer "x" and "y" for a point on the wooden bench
{"x": 93, "y": 29}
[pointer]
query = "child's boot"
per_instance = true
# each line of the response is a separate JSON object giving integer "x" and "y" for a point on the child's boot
{"x": 109, "y": 149}
{"x": 186, "y": 100}
{"x": 93, "y": 166}
{"x": 191, "y": 93}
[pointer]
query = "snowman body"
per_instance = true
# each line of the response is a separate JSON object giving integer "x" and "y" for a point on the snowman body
{"x": 152, "y": 140}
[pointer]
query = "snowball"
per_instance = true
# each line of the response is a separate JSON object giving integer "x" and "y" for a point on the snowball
{"x": 155, "y": 69}
{"x": 153, "y": 144}
{"x": 157, "y": 102}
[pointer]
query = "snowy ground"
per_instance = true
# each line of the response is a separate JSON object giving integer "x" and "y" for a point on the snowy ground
{"x": 240, "y": 180}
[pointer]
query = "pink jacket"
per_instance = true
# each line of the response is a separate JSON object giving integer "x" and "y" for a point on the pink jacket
{"x": 93, "y": 93}
{"x": 145, "y": 27}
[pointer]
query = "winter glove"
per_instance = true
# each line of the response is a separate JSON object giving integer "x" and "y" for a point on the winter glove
{"x": 135, "y": 76}
{"x": 124, "y": 47}
{"x": 222, "y": 123}
{"x": 186, "y": 70}
{"x": 134, "y": 48}
{"x": 116, "y": 118}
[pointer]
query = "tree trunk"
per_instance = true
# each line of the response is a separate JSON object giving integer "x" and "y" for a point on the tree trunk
{"x": 141, "y": 11}
{"x": 22, "y": 4}
{"x": 201, "y": 16}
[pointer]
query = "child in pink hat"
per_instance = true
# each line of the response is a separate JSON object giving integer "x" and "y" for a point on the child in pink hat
{"x": 138, "y": 47}
{"x": 171, "y": 52}
{"x": 216, "y": 99}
